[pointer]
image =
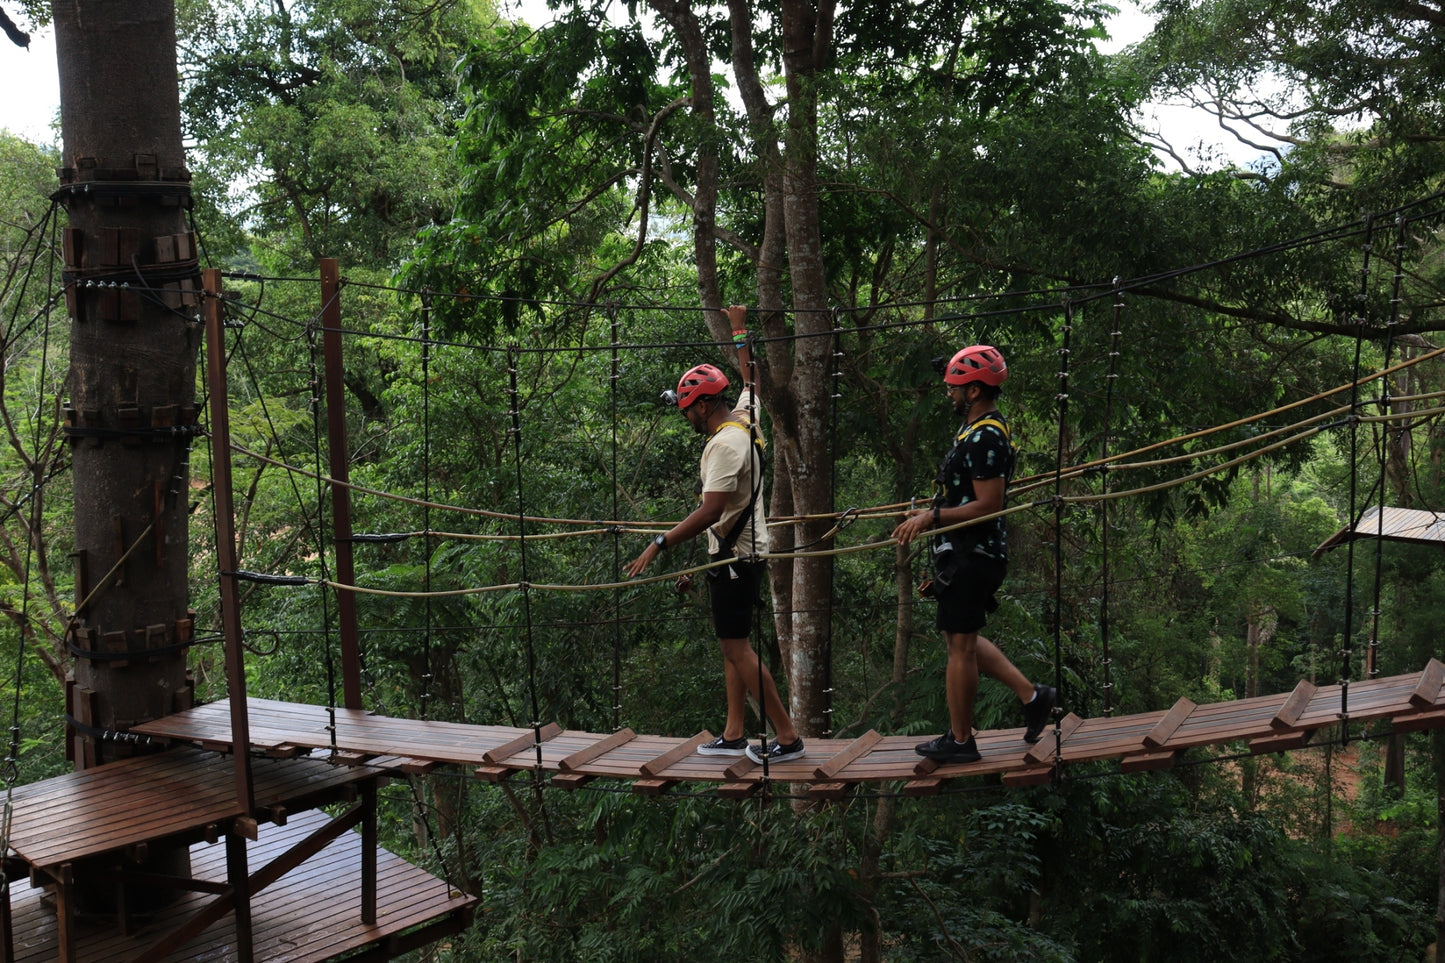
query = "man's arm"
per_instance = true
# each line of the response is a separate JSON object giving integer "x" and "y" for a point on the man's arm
{"x": 690, "y": 527}
{"x": 988, "y": 499}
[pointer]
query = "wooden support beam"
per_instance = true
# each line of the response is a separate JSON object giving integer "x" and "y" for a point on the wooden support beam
{"x": 1294, "y": 707}
{"x": 854, "y": 751}
{"x": 7, "y": 937}
{"x": 601, "y": 747}
{"x": 1164, "y": 730}
{"x": 926, "y": 786}
{"x": 830, "y": 790}
{"x": 1427, "y": 693}
{"x": 506, "y": 751}
{"x": 1042, "y": 752}
{"x": 368, "y": 852}
{"x": 740, "y": 769}
{"x": 1034, "y": 776}
{"x": 570, "y": 780}
{"x": 1280, "y": 743}
{"x": 1149, "y": 761}
{"x": 738, "y": 790}
{"x": 493, "y": 773}
{"x": 653, "y": 787}
{"x": 677, "y": 753}
{"x": 1417, "y": 722}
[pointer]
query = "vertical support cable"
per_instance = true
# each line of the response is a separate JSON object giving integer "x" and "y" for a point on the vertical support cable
{"x": 750, "y": 378}
{"x": 613, "y": 378}
{"x": 1347, "y": 651}
{"x": 426, "y": 670}
{"x": 340, "y": 468}
{"x": 1372, "y": 651}
{"x": 513, "y": 358}
{"x": 315, "y": 405}
{"x": 1059, "y": 460}
{"x": 836, "y": 403}
{"x": 1104, "y": 520}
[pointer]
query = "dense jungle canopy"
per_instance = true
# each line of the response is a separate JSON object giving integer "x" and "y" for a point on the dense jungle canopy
{"x": 538, "y": 224}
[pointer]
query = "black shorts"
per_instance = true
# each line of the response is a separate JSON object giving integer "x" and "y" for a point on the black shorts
{"x": 963, "y": 606}
{"x": 733, "y": 590}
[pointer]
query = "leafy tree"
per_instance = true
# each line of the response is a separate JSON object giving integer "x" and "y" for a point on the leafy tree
{"x": 331, "y": 117}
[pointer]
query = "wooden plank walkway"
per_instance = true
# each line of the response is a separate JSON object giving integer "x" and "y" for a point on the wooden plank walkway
{"x": 181, "y": 794}
{"x": 311, "y": 914}
{"x": 1150, "y": 740}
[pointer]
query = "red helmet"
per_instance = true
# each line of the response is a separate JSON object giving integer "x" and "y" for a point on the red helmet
{"x": 703, "y": 381}
{"x": 978, "y": 362}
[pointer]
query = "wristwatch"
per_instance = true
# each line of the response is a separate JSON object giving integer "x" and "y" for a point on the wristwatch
{"x": 660, "y": 541}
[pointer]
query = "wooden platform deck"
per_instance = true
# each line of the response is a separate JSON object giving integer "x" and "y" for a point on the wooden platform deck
{"x": 77, "y": 836}
{"x": 182, "y": 794}
{"x": 652, "y": 763}
{"x": 309, "y": 915}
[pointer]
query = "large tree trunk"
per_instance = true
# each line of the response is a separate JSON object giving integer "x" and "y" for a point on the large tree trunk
{"x": 133, "y": 346}
{"x": 807, "y": 39}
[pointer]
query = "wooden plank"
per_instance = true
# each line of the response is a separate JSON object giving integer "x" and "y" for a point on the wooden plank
{"x": 665, "y": 761}
{"x": 925, "y": 786}
{"x": 742, "y": 768}
{"x": 494, "y": 773}
{"x": 1420, "y": 721}
{"x": 307, "y": 917}
{"x": 1034, "y": 776}
{"x": 738, "y": 790}
{"x": 1169, "y": 725}
{"x": 1042, "y": 752}
{"x": 830, "y": 790}
{"x": 1280, "y": 743}
{"x": 601, "y": 747}
{"x": 1289, "y": 713}
{"x": 1427, "y": 692}
{"x": 652, "y": 787}
{"x": 852, "y": 752}
{"x": 1148, "y": 761}
{"x": 505, "y": 751}
{"x": 570, "y": 780}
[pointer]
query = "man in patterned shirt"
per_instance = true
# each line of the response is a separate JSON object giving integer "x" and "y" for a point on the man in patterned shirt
{"x": 969, "y": 562}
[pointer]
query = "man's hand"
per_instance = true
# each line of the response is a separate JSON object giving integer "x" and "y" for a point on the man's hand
{"x": 639, "y": 564}
{"x": 913, "y": 526}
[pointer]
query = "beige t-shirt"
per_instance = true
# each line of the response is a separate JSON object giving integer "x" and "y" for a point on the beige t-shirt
{"x": 729, "y": 460}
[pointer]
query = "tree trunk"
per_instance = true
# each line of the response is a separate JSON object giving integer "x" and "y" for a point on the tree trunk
{"x": 807, "y": 37}
{"x": 130, "y": 264}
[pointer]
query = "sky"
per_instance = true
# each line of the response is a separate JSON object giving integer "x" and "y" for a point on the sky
{"x": 30, "y": 90}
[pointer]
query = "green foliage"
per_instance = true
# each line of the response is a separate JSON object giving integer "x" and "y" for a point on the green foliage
{"x": 334, "y": 115}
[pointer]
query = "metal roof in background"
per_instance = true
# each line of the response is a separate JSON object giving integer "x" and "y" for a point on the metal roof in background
{"x": 1415, "y": 525}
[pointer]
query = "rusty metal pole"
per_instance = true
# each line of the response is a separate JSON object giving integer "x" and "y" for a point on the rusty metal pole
{"x": 226, "y": 538}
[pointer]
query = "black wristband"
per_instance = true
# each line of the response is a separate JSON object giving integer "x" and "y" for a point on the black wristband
{"x": 936, "y": 522}
{"x": 660, "y": 541}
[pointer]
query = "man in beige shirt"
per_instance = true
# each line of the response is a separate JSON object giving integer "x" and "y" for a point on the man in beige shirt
{"x": 732, "y": 513}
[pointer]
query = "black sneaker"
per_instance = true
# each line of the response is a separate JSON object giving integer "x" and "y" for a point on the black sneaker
{"x": 1037, "y": 712}
{"x": 777, "y": 752}
{"x": 947, "y": 749}
{"x": 724, "y": 747}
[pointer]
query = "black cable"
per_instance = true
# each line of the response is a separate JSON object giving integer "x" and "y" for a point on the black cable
{"x": 1111, "y": 379}
{"x": 1063, "y": 411}
{"x": 1372, "y": 652}
{"x": 1347, "y": 649}
{"x": 515, "y": 406}
{"x": 426, "y": 677}
{"x": 613, "y": 378}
